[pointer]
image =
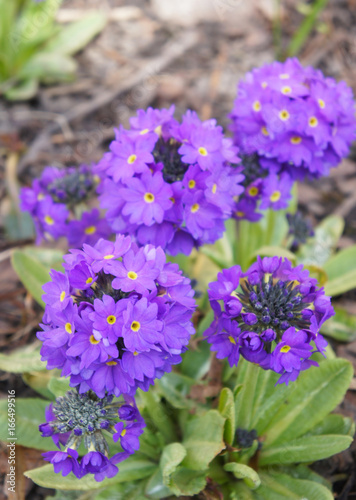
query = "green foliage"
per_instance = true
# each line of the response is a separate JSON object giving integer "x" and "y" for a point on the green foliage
{"x": 35, "y": 49}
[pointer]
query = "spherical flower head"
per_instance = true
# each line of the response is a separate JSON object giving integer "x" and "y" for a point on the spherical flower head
{"x": 117, "y": 318}
{"x": 277, "y": 321}
{"x": 55, "y": 200}
{"x": 170, "y": 184}
{"x": 75, "y": 417}
{"x": 296, "y": 116}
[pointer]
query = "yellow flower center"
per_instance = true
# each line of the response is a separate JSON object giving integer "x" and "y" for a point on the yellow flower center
{"x": 93, "y": 340}
{"x": 48, "y": 219}
{"x": 111, "y": 319}
{"x": 264, "y": 131}
{"x": 284, "y": 115}
{"x": 62, "y": 296}
{"x": 90, "y": 230}
{"x": 232, "y": 340}
{"x": 111, "y": 363}
{"x": 123, "y": 432}
{"x": 135, "y": 353}
{"x": 132, "y": 275}
{"x": 240, "y": 214}
{"x": 284, "y": 76}
{"x": 149, "y": 198}
{"x": 172, "y": 200}
{"x": 253, "y": 191}
{"x": 286, "y": 90}
{"x": 214, "y": 188}
{"x": 321, "y": 103}
{"x": 191, "y": 183}
{"x": 135, "y": 326}
{"x": 295, "y": 140}
{"x": 256, "y": 106}
{"x": 313, "y": 122}
{"x": 107, "y": 257}
{"x": 195, "y": 208}
{"x": 40, "y": 196}
{"x": 131, "y": 159}
{"x": 285, "y": 348}
{"x": 144, "y": 131}
{"x": 264, "y": 85}
{"x": 68, "y": 328}
{"x": 275, "y": 196}
{"x": 89, "y": 281}
{"x": 202, "y": 151}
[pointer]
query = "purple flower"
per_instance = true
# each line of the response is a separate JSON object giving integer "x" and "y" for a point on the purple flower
{"x": 176, "y": 162}
{"x": 64, "y": 461}
{"x": 295, "y": 116}
{"x": 117, "y": 318}
{"x": 146, "y": 198}
{"x": 76, "y": 417}
{"x": 53, "y": 202}
{"x": 273, "y": 313}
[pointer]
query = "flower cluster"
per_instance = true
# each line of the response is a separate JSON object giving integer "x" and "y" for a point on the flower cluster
{"x": 296, "y": 119}
{"x": 170, "y": 184}
{"x": 75, "y": 417}
{"x": 118, "y": 318}
{"x": 271, "y": 315}
{"x": 57, "y": 202}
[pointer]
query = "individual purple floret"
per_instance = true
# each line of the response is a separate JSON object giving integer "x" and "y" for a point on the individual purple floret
{"x": 119, "y": 317}
{"x": 170, "y": 184}
{"x": 56, "y": 202}
{"x": 76, "y": 417}
{"x": 295, "y": 117}
{"x": 271, "y": 315}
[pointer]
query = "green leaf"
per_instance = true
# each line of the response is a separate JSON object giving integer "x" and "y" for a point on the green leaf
{"x": 49, "y": 257}
{"x": 124, "y": 491}
{"x": 227, "y": 409}
{"x": 171, "y": 457}
{"x": 305, "y": 449}
{"x": 50, "y": 68}
{"x": 77, "y": 35}
{"x": 281, "y": 486}
{"x": 334, "y": 424}
{"x": 245, "y": 398}
{"x": 175, "y": 388}
{"x": 24, "y": 359}
{"x": 203, "y": 439}
{"x": 59, "y": 386}
{"x": 32, "y": 274}
{"x": 156, "y": 488}
{"x": 319, "y": 248}
{"x": 317, "y": 392}
{"x": 341, "y": 327}
{"x": 18, "y": 225}
{"x": 241, "y": 471}
{"x": 272, "y": 251}
{"x": 188, "y": 482}
{"x": 38, "y": 381}
{"x": 131, "y": 469}
{"x": 30, "y": 413}
{"x": 24, "y": 90}
{"x": 341, "y": 272}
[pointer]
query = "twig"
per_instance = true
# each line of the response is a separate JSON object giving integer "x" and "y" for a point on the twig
{"x": 155, "y": 65}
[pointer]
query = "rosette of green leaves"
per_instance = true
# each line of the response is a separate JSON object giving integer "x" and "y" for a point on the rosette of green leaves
{"x": 35, "y": 49}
